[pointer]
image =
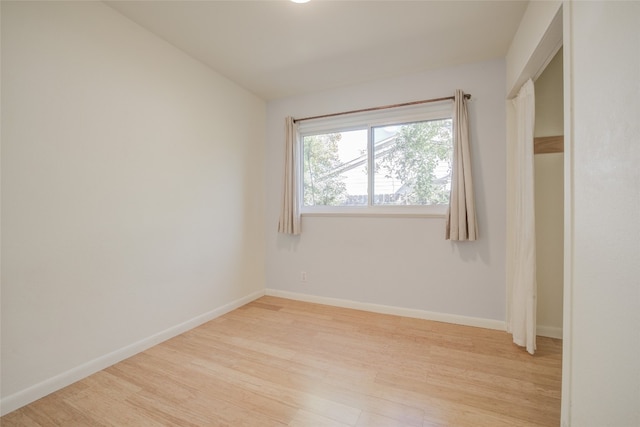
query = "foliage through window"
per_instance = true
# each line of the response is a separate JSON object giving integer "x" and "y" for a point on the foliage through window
{"x": 396, "y": 164}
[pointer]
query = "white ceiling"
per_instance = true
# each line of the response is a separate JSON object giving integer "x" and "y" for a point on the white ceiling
{"x": 278, "y": 48}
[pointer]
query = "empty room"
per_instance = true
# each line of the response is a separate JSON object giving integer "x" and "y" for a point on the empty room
{"x": 320, "y": 213}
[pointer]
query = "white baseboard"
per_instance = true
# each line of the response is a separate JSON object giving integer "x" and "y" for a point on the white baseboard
{"x": 398, "y": 311}
{"x": 37, "y": 391}
{"x": 549, "y": 331}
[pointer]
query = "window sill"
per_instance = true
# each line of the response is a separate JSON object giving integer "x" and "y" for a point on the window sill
{"x": 379, "y": 212}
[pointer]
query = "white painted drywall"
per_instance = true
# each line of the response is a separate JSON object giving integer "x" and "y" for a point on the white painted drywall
{"x": 541, "y": 24}
{"x": 550, "y": 100}
{"x": 601, "y": 379}
{"x": 549, "y": 196}
{"x": 399, "y": 262}
{"x": 132, "y": 196}
{"x": 549, "y": 200}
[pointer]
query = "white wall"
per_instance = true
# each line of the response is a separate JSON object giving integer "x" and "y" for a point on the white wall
{"x": 549, "y": 99}
{"x": 132, "y": 198}
{"x": 400, "y": 262}
{"x": 540, "y": 31}
{"x": 601, "y": 378}
{"x": 549, "y": 195}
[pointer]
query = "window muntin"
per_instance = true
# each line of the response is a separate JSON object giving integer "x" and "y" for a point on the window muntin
{"x": 397, "y": 165}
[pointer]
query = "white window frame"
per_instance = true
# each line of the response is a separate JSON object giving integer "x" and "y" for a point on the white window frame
{"x": 424, "y": 112}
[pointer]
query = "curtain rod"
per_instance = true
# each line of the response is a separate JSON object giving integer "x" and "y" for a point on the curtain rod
{"x": 384, "y": 107}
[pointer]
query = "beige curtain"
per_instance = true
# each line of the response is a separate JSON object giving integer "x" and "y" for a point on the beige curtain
{"x": 521, "y": 237}
{"x": 461, "y": 216}
{"x": 290, "y": 211}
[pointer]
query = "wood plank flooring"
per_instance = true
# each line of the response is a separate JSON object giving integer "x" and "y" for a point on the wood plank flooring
{"x": 278, "y": 362}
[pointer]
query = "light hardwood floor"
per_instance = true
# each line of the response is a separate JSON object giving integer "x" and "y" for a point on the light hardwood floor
{"x": 277, "y": 362}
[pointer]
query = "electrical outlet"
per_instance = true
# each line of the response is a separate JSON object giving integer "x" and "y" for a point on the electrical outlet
{"x": 303, "y": 276}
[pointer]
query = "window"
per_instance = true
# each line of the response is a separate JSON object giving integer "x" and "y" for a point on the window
{"x": 378, "y": 164}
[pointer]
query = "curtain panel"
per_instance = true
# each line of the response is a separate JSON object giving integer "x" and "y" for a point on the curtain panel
{"x": 461, "y": 215}
{"x": 521, "y": 238}
{"x": 289, "y": 222}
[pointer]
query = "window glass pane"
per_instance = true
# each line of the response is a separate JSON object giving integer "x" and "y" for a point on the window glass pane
{"x": 335, "y": 169}
{"x": 413, "y": 163}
